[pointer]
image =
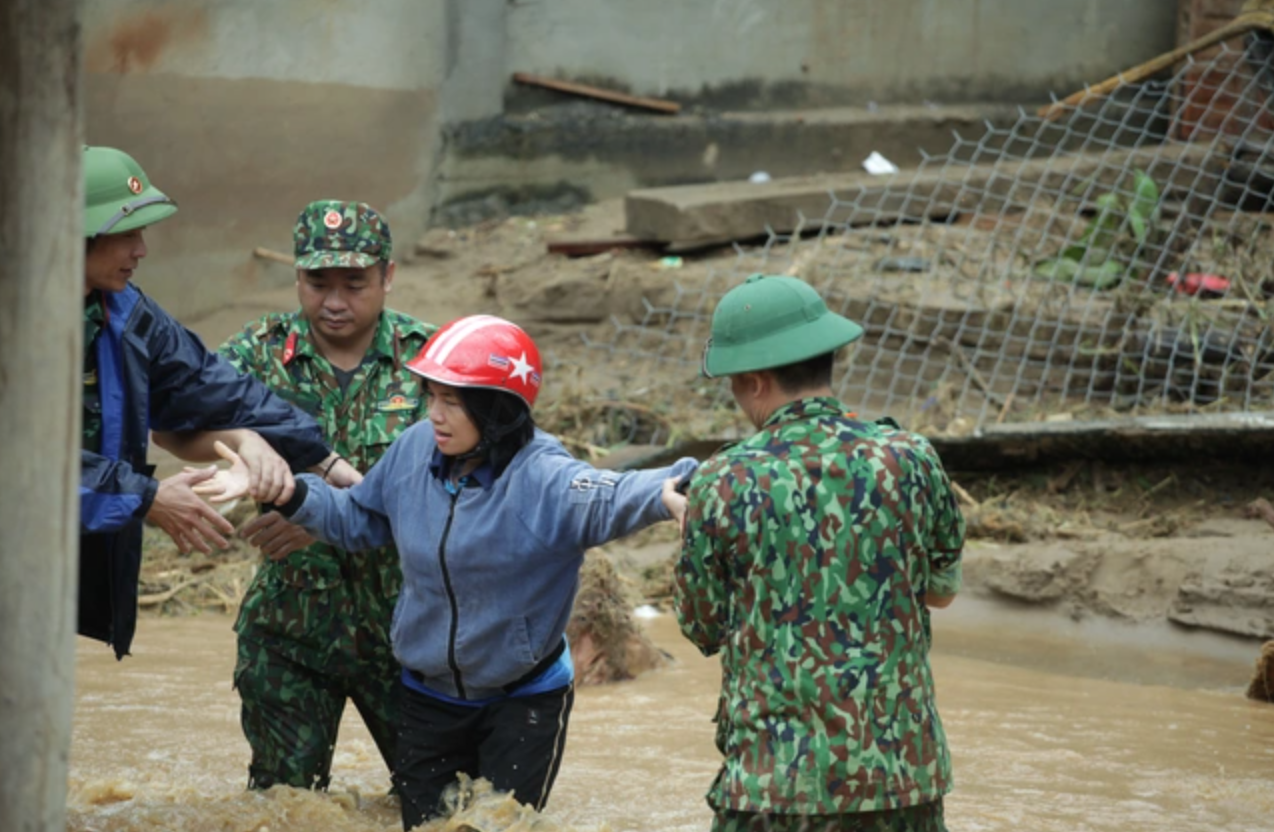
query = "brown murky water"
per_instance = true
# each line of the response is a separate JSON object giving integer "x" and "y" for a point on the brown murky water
{"x": 1053, "y": 727}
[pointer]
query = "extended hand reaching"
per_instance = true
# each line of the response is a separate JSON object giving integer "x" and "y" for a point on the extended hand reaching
{"x": 275, "y": 536}
{"x": 188, "y": 520}
{"x": 260, "y": 473}
{"x": 227, "y": 483}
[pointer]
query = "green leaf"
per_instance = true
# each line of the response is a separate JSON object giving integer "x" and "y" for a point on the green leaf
{"x": 1105, "y": 276}
{"x": 1145, "y": 196}
{"x": 1098, "y": 254}
{"x": 1140, "y": 226}
{"x": 1061, "y": 269}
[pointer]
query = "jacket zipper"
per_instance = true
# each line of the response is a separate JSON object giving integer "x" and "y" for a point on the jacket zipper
{"x": 451, "y": 597}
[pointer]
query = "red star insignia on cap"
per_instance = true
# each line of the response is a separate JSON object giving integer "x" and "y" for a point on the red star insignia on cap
{"x": 332, "y": 219}
{"x": 135, "y": 184}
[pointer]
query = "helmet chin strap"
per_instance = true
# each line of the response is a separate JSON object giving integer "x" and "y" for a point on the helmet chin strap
{"x": 492, "y": 435}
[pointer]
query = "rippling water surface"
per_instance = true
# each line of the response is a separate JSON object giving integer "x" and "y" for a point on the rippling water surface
{"x": 1050, "y": 731}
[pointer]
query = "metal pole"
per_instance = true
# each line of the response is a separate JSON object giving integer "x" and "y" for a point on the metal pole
{"x": 41, "y": 289}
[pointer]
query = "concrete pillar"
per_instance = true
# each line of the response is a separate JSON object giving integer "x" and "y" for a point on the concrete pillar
{"x": 41, "y": 289}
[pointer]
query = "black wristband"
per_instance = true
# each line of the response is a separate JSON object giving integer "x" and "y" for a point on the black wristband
{"x": 293, "y": 505}
{"x": 331, "y": 465}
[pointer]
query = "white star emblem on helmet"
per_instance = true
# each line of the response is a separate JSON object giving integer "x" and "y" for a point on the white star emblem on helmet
{"x": 521, "y": 369}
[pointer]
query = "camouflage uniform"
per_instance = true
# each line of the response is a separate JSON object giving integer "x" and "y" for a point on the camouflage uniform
{"x": 94, "y": 318}
{"x": 808, "y": 551}
{"x": 314, "y": 626}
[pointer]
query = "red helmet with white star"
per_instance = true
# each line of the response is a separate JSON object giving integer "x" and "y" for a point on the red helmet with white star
{"x": 482, "y": 351}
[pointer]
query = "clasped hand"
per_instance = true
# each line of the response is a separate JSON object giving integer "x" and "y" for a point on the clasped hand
{"x": 256, "y": 471}
{"x": 271, "y": 533}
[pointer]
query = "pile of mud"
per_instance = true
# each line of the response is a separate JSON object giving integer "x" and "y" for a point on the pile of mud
{"x": 1261, "y": 688}
{"x": 607, "y": 644}
{"x": 1140, "y": 543}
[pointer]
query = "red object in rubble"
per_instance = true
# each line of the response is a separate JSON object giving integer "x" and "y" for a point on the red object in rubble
{"x": 1194, "y": 283}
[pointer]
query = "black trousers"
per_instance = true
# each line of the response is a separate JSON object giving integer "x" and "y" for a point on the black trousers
{"x": 515, "y": 743}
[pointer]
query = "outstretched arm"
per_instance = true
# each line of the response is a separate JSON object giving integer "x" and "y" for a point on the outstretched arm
{"x": 193, "y": 390}
{"x": 588, "y": 507}
{"x": 269, "y": 476}
{"x": 351, "y": 518}
{"x": 358, "y": 517}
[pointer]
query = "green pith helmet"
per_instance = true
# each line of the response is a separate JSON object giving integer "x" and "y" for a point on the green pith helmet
{"x": 118, "y": 196}
{"x": 772, "y": 321}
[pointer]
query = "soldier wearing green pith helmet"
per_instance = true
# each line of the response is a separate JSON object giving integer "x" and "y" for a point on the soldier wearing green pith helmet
{"x": 143, "y": 372}
{"x": 314, "y": 626}
{"x": 811, "y": 557}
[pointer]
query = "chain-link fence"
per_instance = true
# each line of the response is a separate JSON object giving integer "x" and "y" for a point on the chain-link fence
{"x": 1113, "y": 262}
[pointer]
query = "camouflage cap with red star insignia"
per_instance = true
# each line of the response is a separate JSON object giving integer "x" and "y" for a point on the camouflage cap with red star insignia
{"x": 331, "y": 234}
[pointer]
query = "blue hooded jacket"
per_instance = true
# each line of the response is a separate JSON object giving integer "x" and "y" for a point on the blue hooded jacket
{"x": 153, "y": 373}
{"x": 489, "y": 572}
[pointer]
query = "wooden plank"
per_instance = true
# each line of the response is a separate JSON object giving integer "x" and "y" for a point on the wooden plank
{"x": 686, "y": 216}
{"x": 660, "y": 105}
{"x": 262, "y": 253}
{"x": 582, "y": 247}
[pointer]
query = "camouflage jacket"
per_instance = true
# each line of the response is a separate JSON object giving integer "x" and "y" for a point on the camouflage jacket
{"x": 808, "y": 550}
{"x": 94, "y": 318}
{"x": 324, "y": 607}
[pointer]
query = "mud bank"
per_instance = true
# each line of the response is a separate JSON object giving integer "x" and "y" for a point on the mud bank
{"x": 1218, "y": 576}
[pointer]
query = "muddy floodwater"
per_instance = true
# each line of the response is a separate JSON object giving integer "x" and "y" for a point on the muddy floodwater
{"x": 1054, "y": 726}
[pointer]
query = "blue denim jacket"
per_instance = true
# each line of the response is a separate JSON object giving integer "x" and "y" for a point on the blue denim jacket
{"x": 489, "y": 573}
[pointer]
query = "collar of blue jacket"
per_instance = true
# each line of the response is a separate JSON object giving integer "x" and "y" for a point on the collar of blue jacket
{"x": 440, "y": 466}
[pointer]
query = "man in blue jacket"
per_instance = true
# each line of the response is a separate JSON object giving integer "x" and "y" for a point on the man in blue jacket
{"x": 144, "y": 371}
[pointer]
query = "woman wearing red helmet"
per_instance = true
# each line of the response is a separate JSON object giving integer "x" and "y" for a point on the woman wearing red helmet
{"x": 491, "y": 518}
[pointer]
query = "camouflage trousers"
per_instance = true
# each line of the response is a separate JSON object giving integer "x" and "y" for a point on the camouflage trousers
{"x": 290, "y": 714}
{"x": 927, "y": 817}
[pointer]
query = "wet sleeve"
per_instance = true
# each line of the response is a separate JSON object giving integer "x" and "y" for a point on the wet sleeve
{"x": 193, "y": 389}
{"x": 112, "y": 494}
{"x": 593, "y": 506}
{"x": 700, "y": 578}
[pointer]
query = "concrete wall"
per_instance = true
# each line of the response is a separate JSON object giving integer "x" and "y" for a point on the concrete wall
{"x": 747, "y": 53}
{"x": 244, "y": 110}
